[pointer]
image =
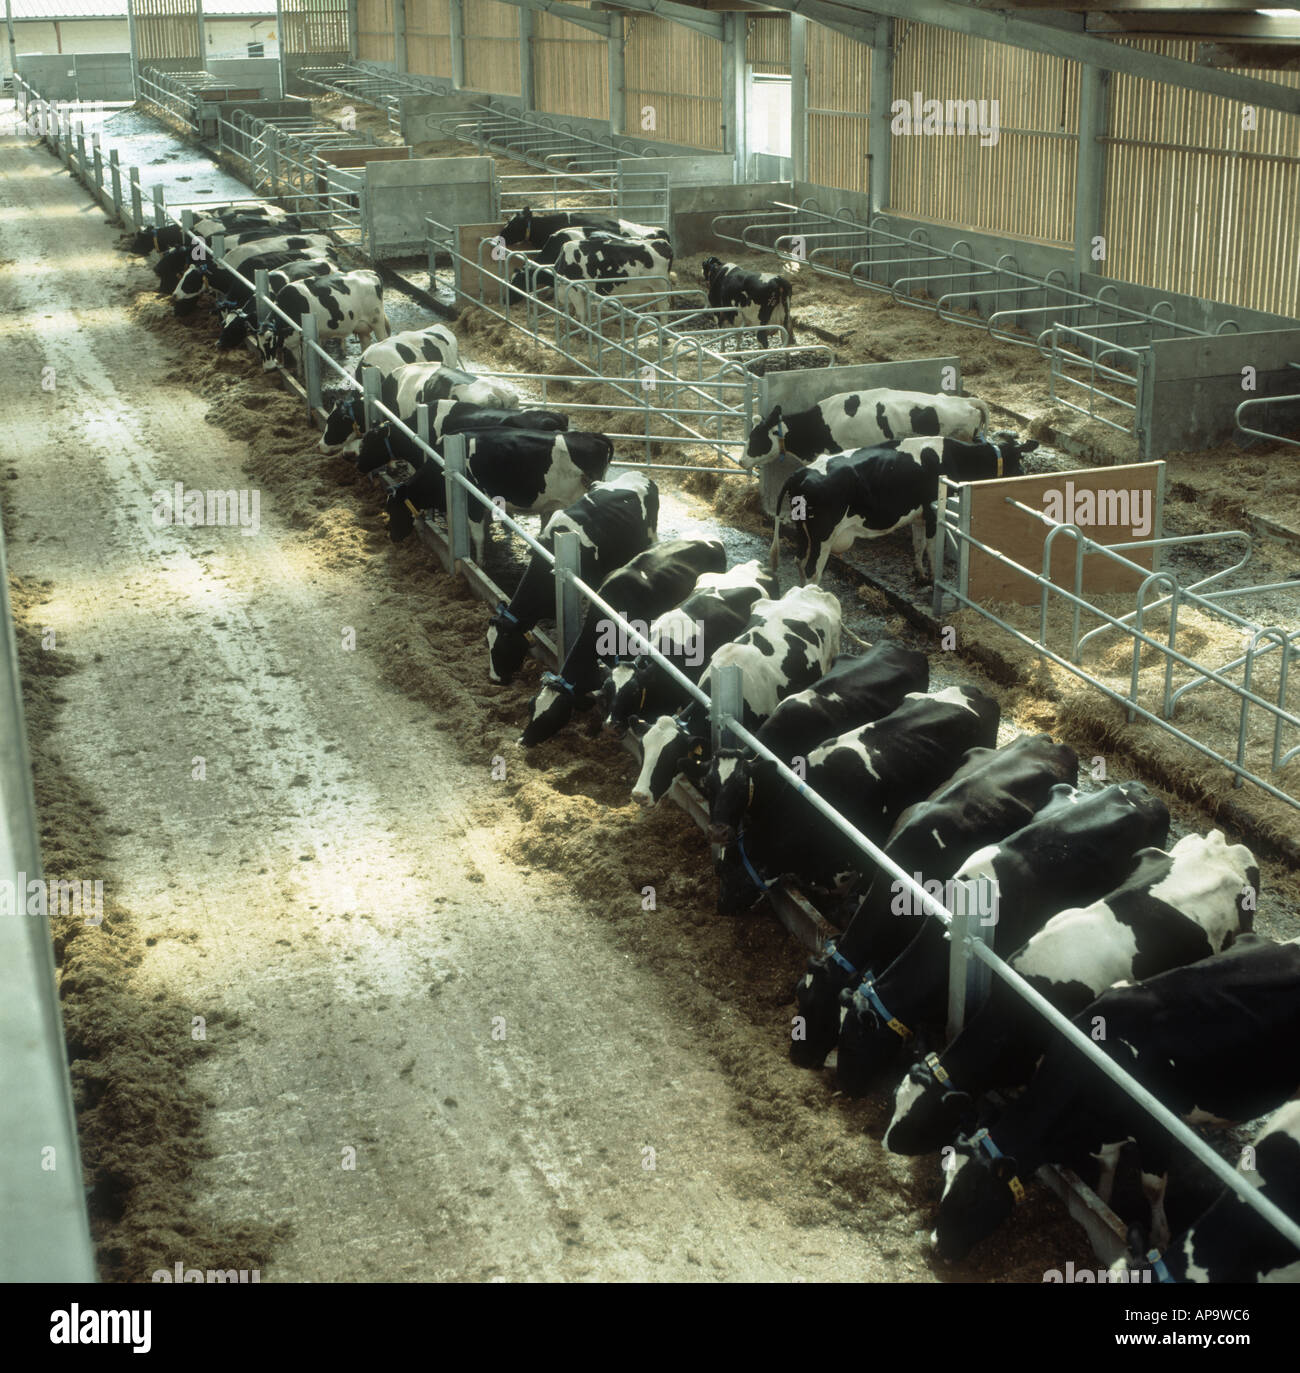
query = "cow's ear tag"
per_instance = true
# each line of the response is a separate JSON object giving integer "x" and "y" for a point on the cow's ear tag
{"x": 411, "y": 507}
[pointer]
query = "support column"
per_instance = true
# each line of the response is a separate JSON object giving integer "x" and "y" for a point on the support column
{"x": 352, "y": 33}
{"x": 799, "y": 97}
{"x": 617, "y": 76}
{"x": 279, "y": 33}
{"x": 733, "y": 90}
{"x": 1090, "y": 177}
{"x": 203, "y": 42}
{"x": 399, "y": 35}
{"x": 879, "y": 139}
{"x": 526, "y": 92}
{"x": 456, "y": 18}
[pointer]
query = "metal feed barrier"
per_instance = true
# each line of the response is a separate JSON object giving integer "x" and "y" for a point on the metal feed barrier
{"x": 373, "y": 86}
{"x": 175, "y": 93}
{"x": 972, "y": 959}
{"x": 954, "y": 533}
{"x": 1077, "y": 331}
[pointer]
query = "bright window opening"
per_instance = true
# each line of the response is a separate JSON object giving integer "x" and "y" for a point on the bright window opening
{"x": 769, "y": 115}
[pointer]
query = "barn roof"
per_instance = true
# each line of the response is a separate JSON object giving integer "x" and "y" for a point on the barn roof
{"x": 116, "y": 9}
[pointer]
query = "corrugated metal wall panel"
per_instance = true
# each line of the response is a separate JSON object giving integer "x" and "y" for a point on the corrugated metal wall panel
{"x": 673, "y": 78}
{"x": 168, "y": 29}
{"x": 839, "y": 84}
{"x": 491, "y": 47}
{"x": 1023, "y": 183}
{"x": 375, "y": 30}
{"x": 1195, "y": 202}
{"x": 428, "y": 37}
{"x": 570, "y": 68}
{"x": 314, "y": 25}
{"x": 767, "y": 43}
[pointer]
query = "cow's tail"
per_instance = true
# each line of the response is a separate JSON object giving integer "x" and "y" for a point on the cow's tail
{"x": 787, "y": 291}
{"x": 857, "y": 639}
{"x": 774, "y": 554}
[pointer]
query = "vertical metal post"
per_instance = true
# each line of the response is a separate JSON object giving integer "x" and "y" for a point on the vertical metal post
{"x": 159, "y": 208}
{"x": 968, "y": 976}
{"x": 81, "y": 149}
{"x": 455, "y": 452}
{"x": 727, "y": 700}
{"x": 1090, "y": 174}
{"x": 310, "y": 365}
{"x": 273, "y": 159}
{"x": 282, "y": 46}
{"x": 352, "y": 33}
{"x": 218, "y": 246}
{"x": 187, "y": 226}
{"x": 881, "y": 96}
{"x": 799, "y": 97}
{"x": 137, "y": 198}
{"x": 261, "y": 289}
{"x": 115, "y": 180}
{"x": 526, "y": 88}
{"x": 568, "y": 599}
{"x": 456, "y": 36}
{"x": 617, "y": 76}
{"x": 733, "y": 91}
{"x": 370, "y": 381}
{"x": 399, "y": 35}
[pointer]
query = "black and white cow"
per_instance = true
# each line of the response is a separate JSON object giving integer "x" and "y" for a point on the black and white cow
{"x": 652, "y": 583}
{"x": 528, "y": 278}
{"x": 347, "y": 415}
{"x": 351, "y": 303}
{"x": 991, "y": 795}
{"x": 870, "y": 492}
{"x": 863, "y": 419}
{"x": 614, "y": 521}
{"x": 870, "y": 775}
{"x": 1076, "y": 849}
{"x": 748, "y": 298}
{"x": 1209, "y": 1040}
{"x": 853, "y": 692}
{"x": 525, "y": 471}
{"x": 173, "y": 266}
{"x": 238, "y": 309}
{"x": 717, "y": 611}
{"x": 1173, "y": 909}
{"x": 219, "y": 221}
{"x": 787, "y": 645}
{"x": 527, "y": 230}
{"x": 413, "y": 384}
{"x": 1231, "y": 1242}
{"x": 228, "y": 284}
{"x": 606, "y": 264}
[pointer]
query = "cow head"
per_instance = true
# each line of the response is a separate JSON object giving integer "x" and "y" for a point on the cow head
{"x": 767, "y": 438}
{"x": 507, "y": 642}
{"x": 622, "y": 696}
{"x": 1010, "y": 449}
{"x": 710, "y": 267}
{"x": 981, "y": 1188}
{"x": 928, "y": 1109}
{"x": 236, "y": 323}
{"x": 741, "y": 884}
{"x": 517, "y": 232}
{"x": 270, "y": 339}
{"x": 552, "y": 708}
{"x": 872, "y": 1040}
{"x": 151, "y": 240}
{"x": 728, "y": 787}
{"x": 818, "y": 997}
{"x": 376, "y": 446}
{"x": 189, "y": 288}
{"x": 401, "y": 514}
{"x": 667, "y": 747}
{"x": 347, "y": 417}
{"x": 170, "y": 268}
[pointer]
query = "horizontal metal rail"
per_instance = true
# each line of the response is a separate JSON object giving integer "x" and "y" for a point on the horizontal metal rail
{"x": 1257, "y": 401}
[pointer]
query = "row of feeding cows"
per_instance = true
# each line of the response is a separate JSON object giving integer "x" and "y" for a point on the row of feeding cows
{"x": 1153, "y": 946}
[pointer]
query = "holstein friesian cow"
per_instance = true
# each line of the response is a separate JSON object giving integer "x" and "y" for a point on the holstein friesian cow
{"x": 1076, "y": 849}
{"x": 870, "y": 775}
{"x": 173, "y": 265}
{"x": 992, "y": 794}
{"x": 282, "y": 268}
{"x": 347, "y": 415}
{"x": 863, "y": 419}
{"x": 413, "y": 384}
{"x": 717, "y": 611}
{"x": 216, "y": 221}
{"x": 1209, "y": 1040}
{"x": 1231, "y": 1242}
{"x": 748, "y": 298}
{"x": 1173, "y": 909}
{"x": 653, "y": 583}
{"x": 238, "y": 309}
{"x": 871, "y": 492}
{"x": 854, "y": 692}
{"x": 606, "y": 264}
{"x": 352, "y": 303}
{"x": 787, "y": 644}
{"x": 527, "y": 471}
{"x": 526, "y": 278}
{"x": 527, "y": 230}
{"x": 614, "y": 522}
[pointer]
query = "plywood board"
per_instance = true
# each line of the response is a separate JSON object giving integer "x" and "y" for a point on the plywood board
{"x": 469, "y": 236}
{"x": 1109, "y": 504}
{"x": 358, "y": 157}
